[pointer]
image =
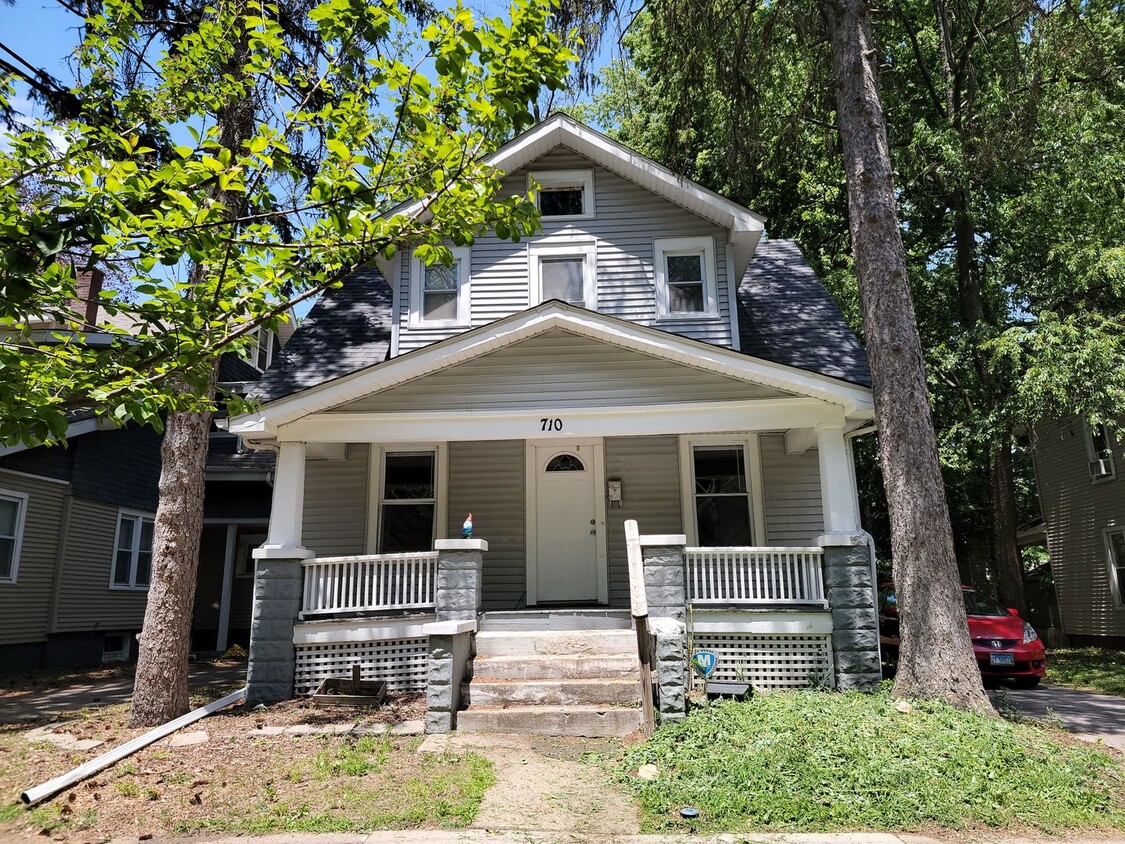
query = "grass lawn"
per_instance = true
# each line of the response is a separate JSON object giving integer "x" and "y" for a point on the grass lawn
{"x": 1094, "y": 669}
{"x": 818, "y": 761}
{"x": 247, "y": 778}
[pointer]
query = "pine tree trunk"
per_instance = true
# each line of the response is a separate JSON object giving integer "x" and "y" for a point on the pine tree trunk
{"x": 1006, "y": 552}
{"x": 161, "y": 690}
{"x": 935, "y": 657}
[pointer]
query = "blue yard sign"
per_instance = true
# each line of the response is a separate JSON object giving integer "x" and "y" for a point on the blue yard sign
{"x": 704, "y": 662}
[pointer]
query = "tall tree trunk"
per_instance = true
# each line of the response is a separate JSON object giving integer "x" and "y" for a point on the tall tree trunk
{"x": 1006, "y": 552}
{"x": 935, "y": 658}
{"x": 161, "y": 690}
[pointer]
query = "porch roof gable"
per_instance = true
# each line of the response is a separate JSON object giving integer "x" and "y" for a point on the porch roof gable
{"x": 534, "y": 322}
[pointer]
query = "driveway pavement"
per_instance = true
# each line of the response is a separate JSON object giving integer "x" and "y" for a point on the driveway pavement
{"x": 43, "y": 703}
{"x": 1091, "y": 716}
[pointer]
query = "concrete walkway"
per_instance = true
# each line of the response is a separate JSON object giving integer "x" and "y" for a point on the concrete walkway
{"x": 44, "y": 703}
{"x": 1090, "y": 716}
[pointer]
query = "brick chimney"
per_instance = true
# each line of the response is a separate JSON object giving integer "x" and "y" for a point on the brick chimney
{"x": 89, "y": 285}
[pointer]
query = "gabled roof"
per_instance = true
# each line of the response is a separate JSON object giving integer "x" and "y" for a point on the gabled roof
{"x": 785, "y": 315}
{"x": 744, "y": 226}
{"x": 533, "y": 322}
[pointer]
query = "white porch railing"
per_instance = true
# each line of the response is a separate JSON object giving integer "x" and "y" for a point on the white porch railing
{"x": 373, "y": 583}
{"x": 765, "y": 576}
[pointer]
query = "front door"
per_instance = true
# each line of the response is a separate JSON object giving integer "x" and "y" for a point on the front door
{"x": 567, "y": 530}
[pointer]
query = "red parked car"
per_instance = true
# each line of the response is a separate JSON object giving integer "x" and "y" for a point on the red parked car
{"x": 1005, "y": 645}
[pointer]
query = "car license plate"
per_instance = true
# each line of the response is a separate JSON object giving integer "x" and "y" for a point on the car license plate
{"x": 1001, "y": 659}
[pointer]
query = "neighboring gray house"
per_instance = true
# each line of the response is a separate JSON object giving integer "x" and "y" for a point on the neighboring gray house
{"x": 76, "y": 537}
{"x": 648, "y": 356}
{"x": 1082, "y": 493}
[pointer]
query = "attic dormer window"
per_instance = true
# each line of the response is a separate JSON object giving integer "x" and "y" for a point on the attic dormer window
{"x": 563, "y": 194}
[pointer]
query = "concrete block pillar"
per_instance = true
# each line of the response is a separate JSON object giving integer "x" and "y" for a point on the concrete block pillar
{"x": 447, "y": 665}
{"x": 666, "y": 593}
{"x": 671, "y": 669}
{"x": 460, "y": 564}
{"x": 850, "y": 587}
{"x": 278, "y": 583}
{"x": 665, "y": 588}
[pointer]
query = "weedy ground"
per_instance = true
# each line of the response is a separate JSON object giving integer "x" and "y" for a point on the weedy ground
{"x": 1093, "y": 669}
{"x": 818, "y": 761}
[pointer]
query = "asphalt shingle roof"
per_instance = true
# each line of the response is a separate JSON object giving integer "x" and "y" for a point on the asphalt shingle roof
{"x": 786, "y": 316}
{"x": 348, "y": 329}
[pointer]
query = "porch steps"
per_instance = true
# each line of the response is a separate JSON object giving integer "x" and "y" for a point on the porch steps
{"x": 563, "y": 682}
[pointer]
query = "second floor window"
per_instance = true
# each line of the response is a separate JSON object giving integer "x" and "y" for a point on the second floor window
{"x": 684, "y": 269}
{"x": 440, "y": 294}
{"x": 564, "y": 270}
{"x": 1099, "y": 450}
{"x": 132, "y": 554}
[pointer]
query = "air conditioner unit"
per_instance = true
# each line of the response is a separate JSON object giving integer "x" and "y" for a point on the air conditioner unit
{"x": 1101, "y": 468}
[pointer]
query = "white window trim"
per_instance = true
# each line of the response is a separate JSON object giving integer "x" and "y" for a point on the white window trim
{"x": 586, "y": 248}
{"x": 665, "y": 247}
{"x": 1091, "y": 455}
{"x": 375, "y": 489}
{"x": 20, "y": 498}
{"x": 271, "y": 348}
{"x": 565, "y": 179}
{"x": 1116, "y": 586}
{"x": 752, "y": 455}
{"x": 463, "y": 256}
{"x": 135, "y": 551}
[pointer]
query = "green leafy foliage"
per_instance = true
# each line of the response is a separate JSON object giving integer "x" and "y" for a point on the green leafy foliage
{"x": 1100, "y": 670}
{"x": 374, "y": 139}
{"x": 820, "y": 761}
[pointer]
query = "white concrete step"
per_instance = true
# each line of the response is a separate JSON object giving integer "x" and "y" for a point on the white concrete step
{"x": 588, "y": 692}
{"x": 588, "y": 721}
{"x": 557, "y": 619}
{"x": 556, "y": 667}
{"x": 556, "y": 643}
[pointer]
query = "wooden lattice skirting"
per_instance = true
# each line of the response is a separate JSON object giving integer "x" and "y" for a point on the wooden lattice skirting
{"x": 768, "y": 661}
{"x": 400, "y": 662}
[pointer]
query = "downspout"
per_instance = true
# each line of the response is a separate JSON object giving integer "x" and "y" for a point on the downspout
{"x": 88, "y": 769}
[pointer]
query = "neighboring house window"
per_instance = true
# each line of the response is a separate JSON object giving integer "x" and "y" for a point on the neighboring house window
{"x": 1099, "y": 449}
{"x": 685, "y": 277}
{"x": 409, "y": 502}
{"x": 132, "y": 558}
{"x": 721, "y": 495}
{"x": 564, "y": 270}
{"x": 13, "y": 508}
{"x": 260, "y": 353}
{"x": 440, "y": 294}
{"x": 1115, "y": 551}
{"x": 563, "y": 194}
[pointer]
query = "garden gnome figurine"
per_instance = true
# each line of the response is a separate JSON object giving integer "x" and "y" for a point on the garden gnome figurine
{"x": 467, "y": 528}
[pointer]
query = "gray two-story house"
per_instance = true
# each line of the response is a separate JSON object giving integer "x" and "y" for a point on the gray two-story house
{"x": 647, "y": 356}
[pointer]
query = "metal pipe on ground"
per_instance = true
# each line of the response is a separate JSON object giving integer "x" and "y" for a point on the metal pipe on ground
{"x": 88, "y": 769}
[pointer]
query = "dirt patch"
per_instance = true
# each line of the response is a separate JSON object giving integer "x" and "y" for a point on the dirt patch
{"x": 552, "y": 784}
{"x": 250, "y": 775}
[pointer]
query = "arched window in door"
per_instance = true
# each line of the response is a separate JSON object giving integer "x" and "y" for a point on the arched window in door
{"x": 565, "y": 463}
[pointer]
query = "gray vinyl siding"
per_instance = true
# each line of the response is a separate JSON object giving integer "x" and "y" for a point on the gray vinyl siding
{"x": 86, "y": 601}
{"x": 335, "y": 514}
{"x": 487, "y": 480}
{"x": 25, "y": 605}
{"x": 628, "y": 218}
{"x": 649, "y": 469}
{"x": 794, "y": 512}
{"x": 559, "y": 369}
{"x": 1078, "y": 510}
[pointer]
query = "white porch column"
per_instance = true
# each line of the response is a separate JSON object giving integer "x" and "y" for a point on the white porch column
{"x": 287, "y": 512}
{"x": 837, "y": 487}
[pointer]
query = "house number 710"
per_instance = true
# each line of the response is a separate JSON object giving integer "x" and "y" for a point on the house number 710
{"x": 550, "y": 424}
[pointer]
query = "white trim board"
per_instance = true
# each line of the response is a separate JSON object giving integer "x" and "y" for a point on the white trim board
{"x": 855, "y": 400}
